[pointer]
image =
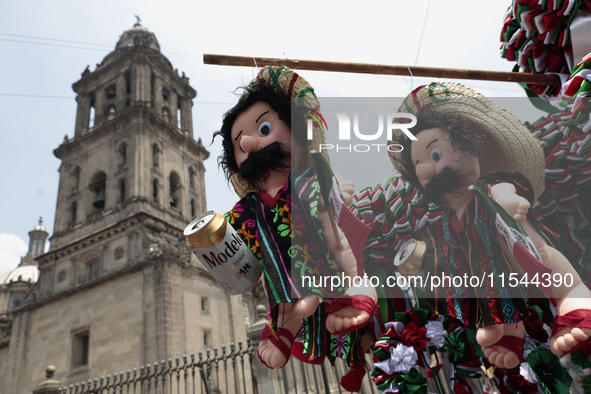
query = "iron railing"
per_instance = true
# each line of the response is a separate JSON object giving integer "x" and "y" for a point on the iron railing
{"x": 228, "y": 369}
{"x": 188, "y": 374}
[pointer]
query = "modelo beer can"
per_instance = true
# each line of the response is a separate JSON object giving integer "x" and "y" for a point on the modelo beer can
{"x": 221, "y": 250}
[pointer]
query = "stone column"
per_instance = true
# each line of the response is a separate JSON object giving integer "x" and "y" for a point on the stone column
{"x": 266, "y": 380}
{"x": 99, "y": 103}
{"x": 82, "y": 115}
{"x": 201, "y": 185}
{"x": 174, "y": 105}
{"x": 140, "y": 83}
{"x": 120, "y": 89}
{"x": 158, "y": 101}
{"x": 186, "y": 122}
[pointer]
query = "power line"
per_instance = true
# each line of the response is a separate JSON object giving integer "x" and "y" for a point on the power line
{"x": 55, "y": 39}
{"x": 72, "y": 97}
{"x": 52, "y": 45}
{"x": 176, "y": 54}
{"x": 35, "y": 95}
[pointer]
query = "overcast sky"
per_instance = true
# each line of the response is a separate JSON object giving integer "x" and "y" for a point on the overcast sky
{"x": 45, "y": 46}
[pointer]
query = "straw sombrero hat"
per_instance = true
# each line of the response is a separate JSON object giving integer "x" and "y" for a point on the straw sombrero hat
{"x": 288, "y": 82}
{"x": 506, "y": 144}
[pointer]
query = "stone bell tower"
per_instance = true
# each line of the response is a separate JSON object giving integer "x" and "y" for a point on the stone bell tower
{"x": 119, "y": 287}
{"x": 133, "y": 148}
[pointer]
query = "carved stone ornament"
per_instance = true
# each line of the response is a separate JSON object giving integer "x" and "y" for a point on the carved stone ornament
{"x": 61, "y": 276}
{"x": 5, "y": 328}
{"x": 119, "y": 252}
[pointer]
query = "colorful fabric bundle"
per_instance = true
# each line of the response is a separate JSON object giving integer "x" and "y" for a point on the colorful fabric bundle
{"x": 467, "y": 247}
{"x": 579, "y": 367}
{"x": 566, "y": 141}
{"x": 296, "y": 250}
{"x": 536, "y": 36}
{"x": 396, "y": 212}
{"x": 540, "y": 370}
{"x": 409, "y": 342}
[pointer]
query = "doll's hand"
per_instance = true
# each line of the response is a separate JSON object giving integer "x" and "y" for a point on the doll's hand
{"x": 506, "y": 196}
{"x": 347, "y": 187}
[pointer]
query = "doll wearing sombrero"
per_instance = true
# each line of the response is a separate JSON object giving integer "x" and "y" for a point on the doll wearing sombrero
{"x": 462, "y": 139}
{"x": 282, "y": 219}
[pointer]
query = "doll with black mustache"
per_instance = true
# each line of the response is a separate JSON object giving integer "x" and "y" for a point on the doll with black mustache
{"x": 463, "y": 141}
{"x": 282, "y": 219}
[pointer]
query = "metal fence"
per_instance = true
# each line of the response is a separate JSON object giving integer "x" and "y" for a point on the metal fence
{"x": 231, "y": 366}
{"x": 229, "y": 369}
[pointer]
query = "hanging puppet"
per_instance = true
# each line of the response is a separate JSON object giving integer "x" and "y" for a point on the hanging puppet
{"x": 463, "y": 139}
{"x": 282, "y": 219}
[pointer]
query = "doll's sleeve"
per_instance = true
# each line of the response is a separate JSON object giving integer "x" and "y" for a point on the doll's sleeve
{"x": 522, "y": 184}
{"x": 243, "y": 219}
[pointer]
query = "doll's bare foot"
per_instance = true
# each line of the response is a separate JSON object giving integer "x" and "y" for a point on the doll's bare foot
{"x": 351, "y": 313}
{"x": 489, "y": 335}
{"x": 304, "y": 307}
{"x": 342, "y": 321}
{"x": 572, "y": 325}
{"x": 507, "y": 352}
{"x": 515, "y": 205}
{"x": 275, "y": 354}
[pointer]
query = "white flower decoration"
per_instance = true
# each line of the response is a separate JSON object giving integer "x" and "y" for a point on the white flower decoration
{"x": 436, "y": 333}
{"x": 402, "y": 359}
{"x": 397, "y": 325}
{"x": 528, "y": 373}
{"x": 392, "y": 388}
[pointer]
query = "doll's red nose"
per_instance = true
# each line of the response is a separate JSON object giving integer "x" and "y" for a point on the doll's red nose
{"x": 249, "y": 144}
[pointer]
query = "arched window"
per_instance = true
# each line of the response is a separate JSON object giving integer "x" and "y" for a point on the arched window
{"x": 111, "y": 92}
{"x": 122, "y": 190}
{"x": 36, "y": 241}
{"x": 91, "y": 117}
{"x": 155, "y": 189}
{"x": 73, "y": 213}
{"x": 155, "y": 156}
{"x": 122, "y": 153}
{"x": 179, "y": 116}
{"x": 98, "y": 187}
{"x": 193, "y": 210}
{"x": 175, "y": 192}
{"x": 93, "y": 270}
{"x": 92, "y": 111}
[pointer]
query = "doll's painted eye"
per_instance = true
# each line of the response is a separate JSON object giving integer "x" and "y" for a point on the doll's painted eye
{"x": 265, "y": 129}
{"x": 436, "y": 154}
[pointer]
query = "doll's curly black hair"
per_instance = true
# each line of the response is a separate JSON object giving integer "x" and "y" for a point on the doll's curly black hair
{"x": 259, "y": 91}
{"x": 461, "y": 133}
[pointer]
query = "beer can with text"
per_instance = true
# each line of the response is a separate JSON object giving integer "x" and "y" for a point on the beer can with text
{"x": 223, "y": 253}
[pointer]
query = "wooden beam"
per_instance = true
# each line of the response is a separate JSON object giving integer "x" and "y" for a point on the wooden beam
{"x": 368, "y": 68}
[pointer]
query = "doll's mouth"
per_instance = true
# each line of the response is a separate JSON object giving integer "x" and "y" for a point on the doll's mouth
{"x": 257, "y": 166}
{"x": 447, "y": 181}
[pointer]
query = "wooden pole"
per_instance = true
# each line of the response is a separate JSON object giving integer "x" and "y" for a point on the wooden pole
{"x": 368, "y": 68}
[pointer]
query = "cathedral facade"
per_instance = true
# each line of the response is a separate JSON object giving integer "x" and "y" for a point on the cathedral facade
{"x": 119, "y": 287}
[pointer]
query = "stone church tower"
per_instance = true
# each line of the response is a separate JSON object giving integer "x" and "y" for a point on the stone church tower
{"x": 118, "y": 287}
